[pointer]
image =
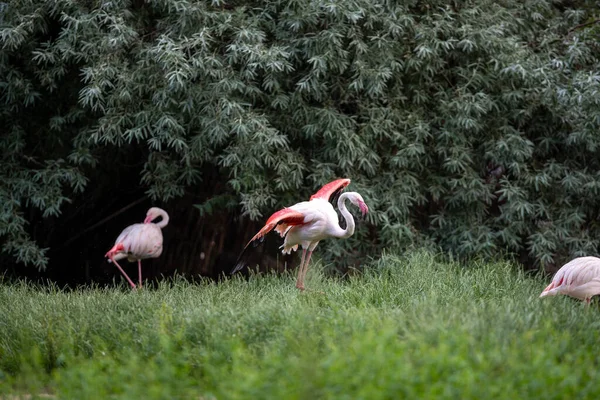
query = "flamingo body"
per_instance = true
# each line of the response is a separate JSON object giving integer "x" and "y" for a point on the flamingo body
{"x": 579, "y": 278}
{"x": 140, "y": 241}
{"x": 320, "y": 222}
{"x": 306, "y": 223}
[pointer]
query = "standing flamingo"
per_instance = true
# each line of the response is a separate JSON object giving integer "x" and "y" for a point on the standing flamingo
{"x": 140, "y": 241}
{"x": 309, "y": 222}
{"x": 579, "y": 278}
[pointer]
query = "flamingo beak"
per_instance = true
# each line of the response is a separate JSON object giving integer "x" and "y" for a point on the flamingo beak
{"x": 363, "y": 207}
{"x": 148, "y": 219}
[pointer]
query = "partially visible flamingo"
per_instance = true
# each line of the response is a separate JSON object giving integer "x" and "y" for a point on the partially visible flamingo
{"x": 140, "y": 241}
{"x": 579, "y": 278}
{"x": 307, "y": 223}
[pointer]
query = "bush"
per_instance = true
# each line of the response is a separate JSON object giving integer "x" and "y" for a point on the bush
{"x": 472, "y": 125}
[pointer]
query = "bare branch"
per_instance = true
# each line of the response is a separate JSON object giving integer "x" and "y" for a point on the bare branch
{"x": 583, "y": 25}
{"x": 127, "y": 207}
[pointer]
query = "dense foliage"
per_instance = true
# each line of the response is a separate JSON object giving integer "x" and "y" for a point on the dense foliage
{"x": 471, "y": 124}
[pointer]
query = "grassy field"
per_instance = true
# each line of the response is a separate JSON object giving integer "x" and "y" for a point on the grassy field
{"x": 410, "y": 327}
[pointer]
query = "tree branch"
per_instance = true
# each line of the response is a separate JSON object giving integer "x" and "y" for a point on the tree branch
{"x": 583, "y": 25}
{"x": 127, "y": 207}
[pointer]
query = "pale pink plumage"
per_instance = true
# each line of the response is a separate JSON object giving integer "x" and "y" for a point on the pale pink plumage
{"x": 579, "y": 278}
{"x": 140, "y": 241}
{"x": 305, "y": 224}
{"x": 320, "y": 222}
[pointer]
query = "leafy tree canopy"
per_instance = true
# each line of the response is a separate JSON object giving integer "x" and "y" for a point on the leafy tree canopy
{"x": 469, "y": 124}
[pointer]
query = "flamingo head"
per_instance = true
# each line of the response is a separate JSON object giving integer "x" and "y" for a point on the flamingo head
{"x": 358, "y": 201}
{"x": 152, "y": 214}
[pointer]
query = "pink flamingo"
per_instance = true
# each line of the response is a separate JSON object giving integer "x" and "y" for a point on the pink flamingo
{"x": 140, "y": 241}
{"x": 579, "y": 278}
{"x": 307, "y": 223}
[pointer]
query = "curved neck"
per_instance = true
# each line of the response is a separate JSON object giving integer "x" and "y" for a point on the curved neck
{"x": 349, "y": 231}
{"x": 165, "y": 219}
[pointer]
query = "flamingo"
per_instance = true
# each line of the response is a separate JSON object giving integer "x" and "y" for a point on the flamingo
{"x": 579, "y": 278}
{"x": 140, "y": 241}
{"x": 306, "y": 223}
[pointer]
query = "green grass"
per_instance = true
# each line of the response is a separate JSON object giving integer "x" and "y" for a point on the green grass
{"x": 410, "y": 327}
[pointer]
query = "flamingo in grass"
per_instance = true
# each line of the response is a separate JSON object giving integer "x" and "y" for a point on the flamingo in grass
{"x": 140, "y": 241}
{"x": 305, "y": 224}
{"x": 579, "y": 278}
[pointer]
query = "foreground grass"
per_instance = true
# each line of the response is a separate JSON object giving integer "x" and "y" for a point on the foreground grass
{"x": 408, "y": 328}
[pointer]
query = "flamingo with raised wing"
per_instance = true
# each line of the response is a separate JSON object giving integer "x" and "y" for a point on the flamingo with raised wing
{"x": 305, "y": 224}
{"x": 140, "y": 241}
{"x": 579, "y": 278}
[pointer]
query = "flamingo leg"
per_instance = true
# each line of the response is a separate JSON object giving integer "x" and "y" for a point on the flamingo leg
{"x": 140, "y": 271}
{"x": 305, "y": 270}
{"x": 300, "y": 280}
{"x": 123, "y": 272}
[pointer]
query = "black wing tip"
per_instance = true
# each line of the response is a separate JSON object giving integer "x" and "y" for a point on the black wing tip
{"x": 335, "y": 195}
{"x": 238, "y": 267}
{"x": 240, "y": 264}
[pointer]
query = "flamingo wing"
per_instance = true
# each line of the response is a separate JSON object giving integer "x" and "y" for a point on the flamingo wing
{"x": 328, "y": 191}
{"x": 119, "y": 250}
{"x": 145, "y": 242}
{"x": 281, "y": 221}
{"x": 587, "y": 272}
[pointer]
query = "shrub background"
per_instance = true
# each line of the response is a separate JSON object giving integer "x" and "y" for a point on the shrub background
{"x": 469, "y": 125}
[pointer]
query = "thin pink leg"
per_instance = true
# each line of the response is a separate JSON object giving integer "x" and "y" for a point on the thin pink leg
{"x": 300, "y": 280}
{"x": 123, "y": 272}
{"x": 140, "y": 271}
{"x": 306, "y": 266}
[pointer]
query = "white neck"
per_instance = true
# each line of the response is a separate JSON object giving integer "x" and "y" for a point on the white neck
{"x": 165, "y": 218}
{"x": 349, "y": 231}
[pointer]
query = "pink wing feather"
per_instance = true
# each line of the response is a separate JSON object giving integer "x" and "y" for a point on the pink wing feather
{"x": 284, "y": 218}
{"x": 330, "y": 189}
{"x": 281, "y": 221}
